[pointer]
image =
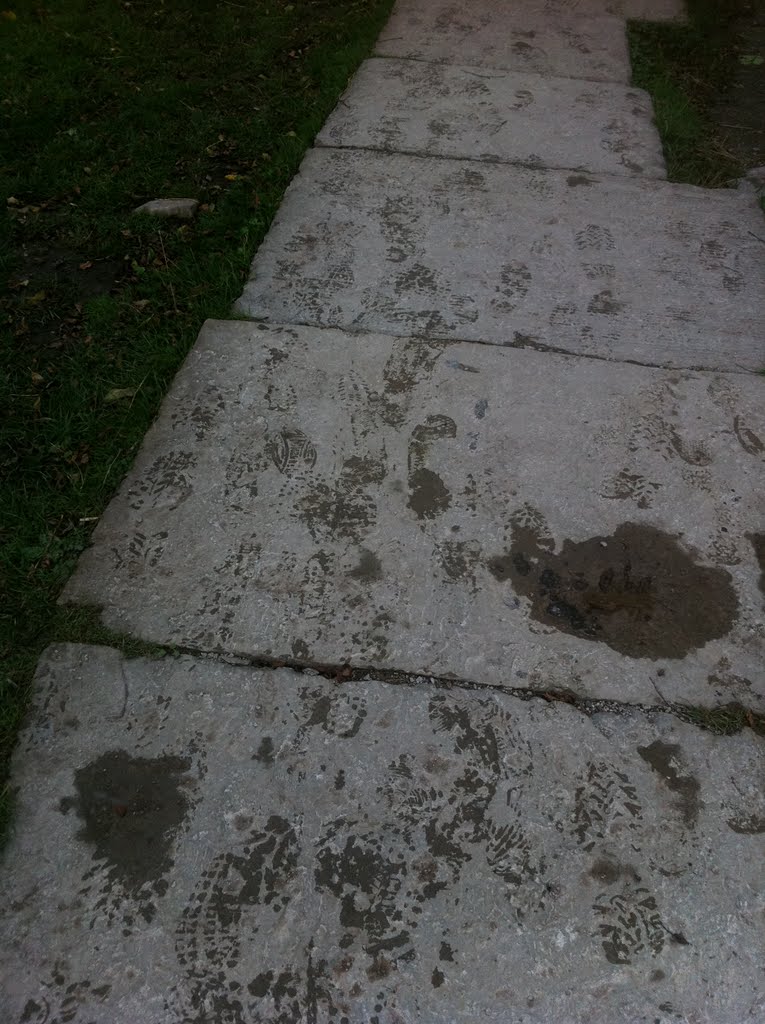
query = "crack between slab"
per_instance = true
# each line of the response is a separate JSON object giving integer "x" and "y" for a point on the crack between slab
{"x": 478, "y": 68}
{"x": 710, "y": 719}
{"x": 726, "y": 193}
{"x": 491, "y": 72}
{"x": 525, "y": 342}
{"x": 499, "y": 161}
{"x": 723, "y": 720}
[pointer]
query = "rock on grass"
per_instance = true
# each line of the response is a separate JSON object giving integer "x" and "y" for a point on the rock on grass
{"x": 181, "y": 208}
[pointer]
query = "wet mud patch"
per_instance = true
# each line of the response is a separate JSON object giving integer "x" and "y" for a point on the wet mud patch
{"x": 665, "y": 759}
{"x": 341, "y": 509}
{"x": 638, "y": 591}
{"x": 429, "y": 496}
{"x": 630, "y": 924}
{"x": 757, "y": 540}
{"x": 748, "y": 825}
{"x": 131, "y": 809}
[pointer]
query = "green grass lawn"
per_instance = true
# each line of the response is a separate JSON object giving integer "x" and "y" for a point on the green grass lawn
{"x": 104, "y": 105}
{"x": 685, "y": 68}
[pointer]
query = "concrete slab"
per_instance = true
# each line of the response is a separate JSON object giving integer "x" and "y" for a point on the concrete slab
{"x": 202, "y": 843}
{"x": 443, "y": 110}
{"x": 619, "y": 268}
{"x": 507, "y": 517}
{"x": 492, "y": 33}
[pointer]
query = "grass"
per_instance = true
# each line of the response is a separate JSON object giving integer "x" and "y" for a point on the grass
{"x": 104, "y": 105}
{"x": 685, "y": 68}
{"x": 725, "y": 721}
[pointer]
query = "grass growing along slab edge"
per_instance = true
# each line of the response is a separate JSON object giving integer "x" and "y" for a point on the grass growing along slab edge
{"x": 103, "y": 106}
{"x": 686, "y": 67}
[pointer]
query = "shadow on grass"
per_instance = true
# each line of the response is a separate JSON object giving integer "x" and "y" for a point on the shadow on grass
{"x": 686, "y": 67}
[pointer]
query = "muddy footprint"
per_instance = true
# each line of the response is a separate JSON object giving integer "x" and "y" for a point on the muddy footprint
{"x": 428, "y": 494}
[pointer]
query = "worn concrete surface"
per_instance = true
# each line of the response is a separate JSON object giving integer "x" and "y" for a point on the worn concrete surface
{"x": 619, "y": 268}
{"x": 448, "y": 111}
{"x": 502, "y": 516}
{"x": 199, "y": 843}
{"x": 208, "y": 844}
{"x": 492, "y": 33}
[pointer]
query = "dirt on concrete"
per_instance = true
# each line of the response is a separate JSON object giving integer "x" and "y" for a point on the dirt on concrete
{"x": 638, "y": 591}
{"x": 131, "y": 809}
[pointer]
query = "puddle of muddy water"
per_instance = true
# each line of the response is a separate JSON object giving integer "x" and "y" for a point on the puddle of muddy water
{"x": 131, "y": 808}
{"x": 638, "y": 590}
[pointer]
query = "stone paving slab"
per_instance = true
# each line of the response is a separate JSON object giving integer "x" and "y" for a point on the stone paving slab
{"x": 492, "y": 33}
{"x": 501, "y": 516}
{"x": 202, "y": 843}
{"x": 449, "y": 111}
{"x": 615, "y": 267}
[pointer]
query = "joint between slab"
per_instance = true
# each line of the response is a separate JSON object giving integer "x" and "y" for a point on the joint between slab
{"x": 710, "y": 719}
{"x": 477, "y": 69}
{"x": 355, "y": 331}
{"x": 726, "y": 719}
{"x": 494, "y": 160}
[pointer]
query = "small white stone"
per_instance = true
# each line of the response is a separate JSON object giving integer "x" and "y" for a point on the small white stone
{"x": 184, "y": 209}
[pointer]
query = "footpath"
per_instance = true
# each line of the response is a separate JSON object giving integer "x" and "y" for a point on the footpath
{"x": 443, "y": 554}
